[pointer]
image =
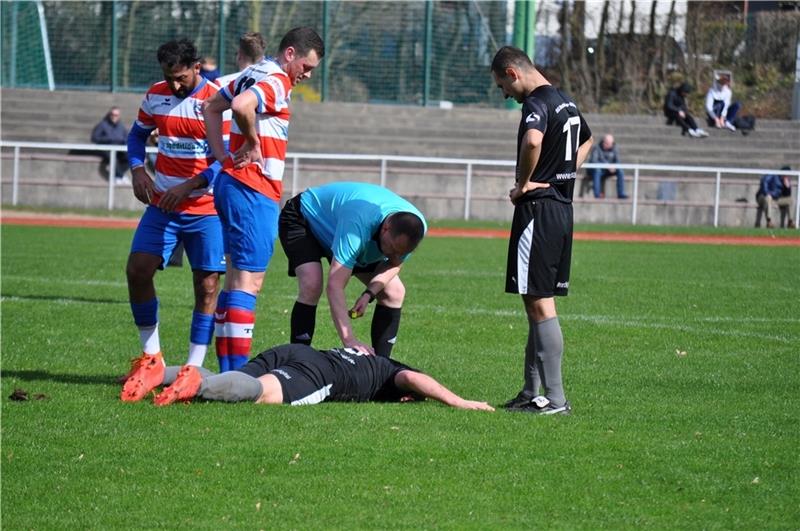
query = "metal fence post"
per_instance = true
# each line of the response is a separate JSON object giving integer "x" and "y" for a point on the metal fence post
{"x": 635, "y": 202}
{"x": 15, "y": 178}
{"x": 797, "y": 206}
{"x": 295, "y": 174}
{"x": 383, "y": 172}
{"x": 325, "y": 67}
{"x": 112, "y": 173}
{"x": 427, "y": 52}
{"x": 716, "y": 199}
{"x": 467, "y": 191}
{"x": 114, "y": 65}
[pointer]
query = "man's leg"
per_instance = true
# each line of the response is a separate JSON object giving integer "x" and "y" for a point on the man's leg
{"x": 236, "y": 319}
{"x": 621, "y": 184}
{"x": 147, "y": 370}
{"x": 386, "y": 319}
{"x": 202, "y": 328}
{"x": 189, "y": 381}
{"x": 597, "y": 186}
{"x": 304, "y": 313}
{"x": 153, "y": 242}
{"x": 533, "y": 379}
{"x": 549, "y": 341}
{"x": 202, "y": 238}
{"x": 250, "y": 225}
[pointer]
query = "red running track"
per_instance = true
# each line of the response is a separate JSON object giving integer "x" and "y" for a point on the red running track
{"x": 768, "y": 240}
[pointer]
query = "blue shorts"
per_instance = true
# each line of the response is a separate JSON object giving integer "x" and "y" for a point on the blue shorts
{"x": 159, "y": 232}
{"x": 249, "y": 223}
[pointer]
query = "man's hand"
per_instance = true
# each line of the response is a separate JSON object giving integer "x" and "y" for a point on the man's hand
{"x": 516, "y": 193}
{"x": 143, "y": 188}
{"x": 359, "y": 346}
{"x": 360, "y": 307}
{"x": 473, "y": 404}
{"x": 682, "y": 114}
{"x": 175, "y": 196}
{"x": 248, "y": 154}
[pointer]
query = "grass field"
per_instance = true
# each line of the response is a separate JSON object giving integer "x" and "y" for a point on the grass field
{"x": 658, "y": 439}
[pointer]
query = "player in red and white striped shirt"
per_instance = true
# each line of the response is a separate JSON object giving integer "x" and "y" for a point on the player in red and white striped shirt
{"x": 180, "y": 208}
{"x": 248, "y": 192}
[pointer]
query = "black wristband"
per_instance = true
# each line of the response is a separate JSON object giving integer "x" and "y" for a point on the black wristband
{"x": 371, "y": 295}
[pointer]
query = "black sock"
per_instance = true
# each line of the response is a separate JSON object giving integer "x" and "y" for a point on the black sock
{"x": 304, "y": 319}
{"x": 385, "y": 323}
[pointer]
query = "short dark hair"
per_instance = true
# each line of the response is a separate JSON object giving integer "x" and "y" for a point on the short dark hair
{"x": 178, "y": 52}
{"x": 303, "y": 40}
{"x": 510, "y": 56}
{"x": 408, "y": 224}
{"x": 252, "y": 46}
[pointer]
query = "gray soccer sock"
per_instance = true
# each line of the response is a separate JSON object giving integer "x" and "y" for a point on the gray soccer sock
{"x": 171, "y": 373}
{"x": 550, "y": 346}
{"x": 231, "y": 386}
{"x": 532, "y": 379}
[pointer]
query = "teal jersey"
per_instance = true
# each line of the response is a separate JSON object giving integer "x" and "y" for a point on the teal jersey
{"x": 345, "y": 218}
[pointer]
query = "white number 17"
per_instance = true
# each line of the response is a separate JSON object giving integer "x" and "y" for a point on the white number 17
{"x": 573, "y": 120}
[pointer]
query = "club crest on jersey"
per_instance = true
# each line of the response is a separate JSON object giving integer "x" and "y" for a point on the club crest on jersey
{"x": 532, "y": 117}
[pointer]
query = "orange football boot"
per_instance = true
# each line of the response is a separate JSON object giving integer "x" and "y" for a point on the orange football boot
{"x": 183, "y": 389}
{"x": 147, "y": 376}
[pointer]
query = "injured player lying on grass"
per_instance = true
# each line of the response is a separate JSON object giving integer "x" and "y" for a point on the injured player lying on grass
{"x": 297, "y": 374}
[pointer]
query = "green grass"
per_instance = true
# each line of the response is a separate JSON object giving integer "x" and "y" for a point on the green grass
{"x": 657, "y": 440}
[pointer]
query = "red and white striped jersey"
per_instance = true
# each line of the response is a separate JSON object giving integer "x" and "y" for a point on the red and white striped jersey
{"x": 273, "y": 89}
{"x": 183, "y": 150}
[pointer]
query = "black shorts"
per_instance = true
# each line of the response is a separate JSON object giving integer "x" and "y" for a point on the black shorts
{"x": 299, "y": 243}
{"x": 540, "y": 249}
{"x": 306, "y": 376}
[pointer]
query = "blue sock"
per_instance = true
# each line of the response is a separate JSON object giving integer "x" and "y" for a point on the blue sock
{"x": 145, "y": 313}
{"x": 202, "y": 328}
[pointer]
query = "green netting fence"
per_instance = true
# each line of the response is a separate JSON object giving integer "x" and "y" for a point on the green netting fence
{"x": 609, "y": 56}
{"x": 405, "y": 52}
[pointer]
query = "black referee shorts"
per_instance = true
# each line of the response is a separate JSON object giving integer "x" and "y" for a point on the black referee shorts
{"x": 305, "y": 375}
{"x": 299, "y": 243}
{"x": 540, "y": 249}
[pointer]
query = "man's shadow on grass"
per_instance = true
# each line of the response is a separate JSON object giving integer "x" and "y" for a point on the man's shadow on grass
{"x": 38, "y": 375}
{"x": 63, "y": 298}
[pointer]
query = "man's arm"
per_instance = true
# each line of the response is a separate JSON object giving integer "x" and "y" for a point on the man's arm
{"x": 383, "y": 274}
{"x": 425, "y": 385}
{"x": 338, "y": 276}
{"x": 583, "y": 153}
{"x": 529, "y": 152}
{"x": 143, "y": 187}
{"x": 212, "y": 114}
{"x": 244, "y": 112}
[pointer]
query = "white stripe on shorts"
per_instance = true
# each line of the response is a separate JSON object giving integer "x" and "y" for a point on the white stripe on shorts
{"x": 314, "y": 398}
{"x": 524, "y": 246}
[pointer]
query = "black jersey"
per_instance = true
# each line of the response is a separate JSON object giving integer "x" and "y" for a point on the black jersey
{"x": 552, "y": 112}
{"x": 341, "y": 375}
{"x": 360, "y": 378}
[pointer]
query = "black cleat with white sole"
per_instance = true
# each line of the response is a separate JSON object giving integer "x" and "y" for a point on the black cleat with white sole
{"x": 540, "y": 405}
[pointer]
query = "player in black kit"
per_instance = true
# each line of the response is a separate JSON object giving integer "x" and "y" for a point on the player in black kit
{"x": 553, "y": 142}
{"x": 298, "y": 374}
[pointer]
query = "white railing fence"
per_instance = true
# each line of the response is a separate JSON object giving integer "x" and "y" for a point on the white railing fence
{"x": 468, "y": 166}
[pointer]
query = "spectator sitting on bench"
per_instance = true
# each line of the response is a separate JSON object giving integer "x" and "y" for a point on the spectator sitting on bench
{"x": 784, "y": 202}
{"x": 720, "y": 112}
{"x": 111, "y": 131}
{"x": 606, "y": 153}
